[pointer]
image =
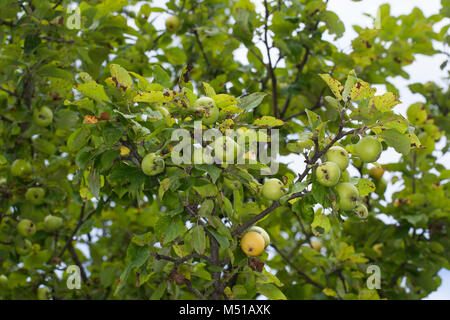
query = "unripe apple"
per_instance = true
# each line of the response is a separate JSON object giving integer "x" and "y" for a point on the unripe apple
{"x": 3, "y": 281}
{"x": 272, "y": 189}
{"x": 339, "y": 156}
{"x": 345, "y": 176}
{"x": 35, "y": 195}
{"x": 43, "y": 293}
{"x": 226, "y": 149}
{"x": 263, "y": 233}
{"x": 152, "y": 164}
{"x": 376, "y": 173}
{"x": 172, "y": 24}
{"x": 52, "y": 223}
{"x": 232, "y": 184}
{"x": 328, "y": 174}
{"x": 252, "y": 243}
{"x": 361, "y": 211}
{"x": 416, "y": 113}
{"x": 368, "y": 149}
{"x": 23, "y": 247}
{"x": 380, "y": 187}
{"x": 26, "y": 228}
{"x": 348, "y": 195}
{"x": 43, "y": 117}
{"x": 21, "y": 168}
{"x": 208, "y": 109}
{"x": 316, "y": 244}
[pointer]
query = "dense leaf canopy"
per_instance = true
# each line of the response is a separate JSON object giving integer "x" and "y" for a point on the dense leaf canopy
{"x": 89, "y": 88}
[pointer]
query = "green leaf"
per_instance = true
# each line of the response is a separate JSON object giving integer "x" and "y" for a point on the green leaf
{"x": 93, "y": 90}
{"x": 94, "y": 182}
{"x": 270, "y": 291}
{"x": 161, "y": 77}
{"x": 175, "y": 229}
{"x": 398, "y": 141}
{"x": 198, "y": 239}
{"x": 209, "y": 91}
{"x": 349, "y": 83}
{"x": 78, "y": 139}
{"x": 251, "y": 101}
{"x": 223, "y": 241}
{"x": 159, "y": 292}
{"x": 112, "y": 134}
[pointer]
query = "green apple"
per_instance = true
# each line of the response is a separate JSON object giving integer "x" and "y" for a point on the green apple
{"x": 23, "y": 247}
{"x": 208, "y": 109}
{"x": 21, "y": 168}
{"x": 348, "y": 195}
{"x": 43, "y": 293}
{"x": 328, "y": 174}
{"x": 272, "y": 189}
{"x": 380, "y": 187}
{"x": 172, "y": 24}
{"x": 43, "y": 117}
{"x": 26, "y": 228}
{"x": 226, "y": 149}
{"x": 339, "y": 156}
{"x": 368, "y": 149}
{"x": 3, "y": 281}
{"x": 361, "y": 211}
{"x": 232, "y": 184}
{"x": 35, "y": 195}
{"x": 345, "y": 176}
{"x": 152, "y": 164}
{"x": 52, "y": 223}
{"x": 376, "y": 173}
{"x": 262, "y": 232}
{"x": 416, "y": 113}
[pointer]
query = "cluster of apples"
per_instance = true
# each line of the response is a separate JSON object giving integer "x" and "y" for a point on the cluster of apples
{"x": 332, "y": 173}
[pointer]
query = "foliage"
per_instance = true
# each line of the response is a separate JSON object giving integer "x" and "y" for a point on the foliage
{"x": 176, "y": 235}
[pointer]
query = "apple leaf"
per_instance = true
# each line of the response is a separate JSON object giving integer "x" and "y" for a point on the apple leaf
{"x": 268, "y": 121}
{"x": 320, "y": 224}
{"x": 198, "y": 239}
{"x": 335, "y": 86}
{"x": 121, "y": 75}
{"x": 398, "y": 141}
{"x": 251, "y": 101}
{"x": 362, "y": 90}
{"x": 365, "y": 187}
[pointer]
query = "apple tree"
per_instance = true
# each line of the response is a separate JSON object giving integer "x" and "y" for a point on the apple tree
{"x": 93, "y": 92}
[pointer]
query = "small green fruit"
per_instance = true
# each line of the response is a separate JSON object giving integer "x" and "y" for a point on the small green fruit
{"x": 21, "y": 168}
{"x": 272, "y": 189}
{"x": 339, "y": 156}
{"x": 172, "y": 24}
{"x": 23, "y": 247}
{"x": 416, "y": 113}
{"x": 208, "y": 109}
{"x": 368, "y": 149}
{"x": 361, "y": 211}
{"x": 348, "y": 195}
{"x": 52, "y": 223}
{"x": 226, "y": 149}
{"x": 35, "y": 195}
{"x": 26, "y": 228}
{"x": 345, "y": 176}
{"x": 152, "y": 164}
{"x": 43, "y": 293}
{"x": 232, "y": 184}
{"x": 328, "y": 174}
{"x": 3, "y": 281}
{"x": 43, "y": 117}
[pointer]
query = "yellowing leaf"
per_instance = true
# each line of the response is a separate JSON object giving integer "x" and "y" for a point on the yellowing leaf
{"x": 90, "y": 119}
{"x": 268, "y": 121}
{"x": 362, "y": 90}
{"x": 329, "y": 292}
{"x": 386, "y": 102}
{"x": 320, "y": 224}
{"x": 334, "y": 85}
{"x": 153, "y": 97}
{"x": 224, "y": 100}
{"x": 210, "y": 92}
{"x": 93, "y": 90}
{"x": 121, "y": 76}
{"x": 124, "y": 151}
